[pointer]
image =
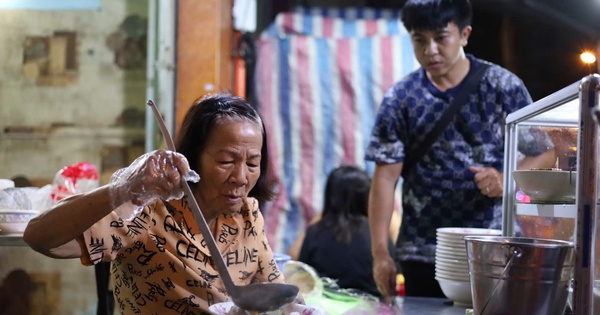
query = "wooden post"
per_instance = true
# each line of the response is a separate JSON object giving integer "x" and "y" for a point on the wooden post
{"x": 204, "y": 51}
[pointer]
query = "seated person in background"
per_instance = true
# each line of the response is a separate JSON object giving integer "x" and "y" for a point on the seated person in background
{"x": 159, "y": 260}
{"x": 338, "y": 246}
{"x": 294, "y": 249}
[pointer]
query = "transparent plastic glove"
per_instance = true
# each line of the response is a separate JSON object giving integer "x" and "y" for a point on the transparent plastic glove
{"x": 153, "y": 176}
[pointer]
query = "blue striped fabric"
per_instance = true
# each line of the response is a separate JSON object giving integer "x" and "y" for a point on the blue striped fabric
{"x": 350, "y": 13}
{"x": 320, "y": 76}
{"x": 350, "y": 21}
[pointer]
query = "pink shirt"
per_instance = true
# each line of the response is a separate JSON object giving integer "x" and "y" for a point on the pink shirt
{"x": 160, "y": 264}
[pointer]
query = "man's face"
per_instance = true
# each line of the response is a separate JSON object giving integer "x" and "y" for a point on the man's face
{"x": 439, "y": 51}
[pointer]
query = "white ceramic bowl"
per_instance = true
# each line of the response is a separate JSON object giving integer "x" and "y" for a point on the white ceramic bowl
{"x": 547, "y": 185}
{"x": 451, "y": 261}
{"x": 14, "y": 221}
{"x": 457, "y": 291}
{"x": 451, "y": 237}
{"x": 454, "y": 266}
{"x": 452, "y": 277}
{"x": 441, "y": 276}
{"x": 453, "y": 270}
{"x": 457, "y": 233}
{"x": 451, "y": 253}
{"x": 452, "y": 244}
{"x": 445, "y": 260}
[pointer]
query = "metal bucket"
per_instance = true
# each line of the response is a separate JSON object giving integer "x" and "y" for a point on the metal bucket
{"x": 519, "y": 276}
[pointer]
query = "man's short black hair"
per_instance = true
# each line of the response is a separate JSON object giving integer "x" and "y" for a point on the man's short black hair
{"x": 434, "y": 15}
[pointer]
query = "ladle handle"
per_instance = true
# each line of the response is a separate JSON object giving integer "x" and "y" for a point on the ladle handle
{"x": 198, "y": 216}
{"x": 515, "y": 252}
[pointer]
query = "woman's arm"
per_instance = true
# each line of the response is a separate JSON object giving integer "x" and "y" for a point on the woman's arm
{"x": 58, "y": 232}
{"x": 544, "y": 160}
{"x": 54, "y": 233}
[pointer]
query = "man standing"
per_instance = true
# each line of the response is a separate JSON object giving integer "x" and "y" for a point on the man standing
{"x": 458, "y": 180}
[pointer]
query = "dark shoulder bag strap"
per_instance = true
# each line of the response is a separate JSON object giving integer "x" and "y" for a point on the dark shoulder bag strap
{"x": 417, "y": 153}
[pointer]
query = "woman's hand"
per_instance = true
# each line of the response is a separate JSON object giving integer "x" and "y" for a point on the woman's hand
{"x": 152, "y": 176}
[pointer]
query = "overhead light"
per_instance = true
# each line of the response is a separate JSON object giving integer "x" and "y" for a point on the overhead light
{"x": 587, "y": 57}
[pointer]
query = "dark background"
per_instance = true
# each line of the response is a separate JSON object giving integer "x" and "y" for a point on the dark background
{"x": 539, "y": 40}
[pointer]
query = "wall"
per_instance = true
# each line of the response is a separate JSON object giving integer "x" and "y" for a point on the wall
{"x": 48, "y": 121}
{"x": 72, "y": 88}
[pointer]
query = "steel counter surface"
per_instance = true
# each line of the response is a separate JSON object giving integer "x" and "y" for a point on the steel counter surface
{"x": 12, "y": 240}
{"x": 426, "y": 306}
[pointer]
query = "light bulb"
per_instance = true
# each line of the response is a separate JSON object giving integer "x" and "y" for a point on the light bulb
{"x": 587, "y": 57}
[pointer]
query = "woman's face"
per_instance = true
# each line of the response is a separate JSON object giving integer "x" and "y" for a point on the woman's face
{"x": 229, "y": 166}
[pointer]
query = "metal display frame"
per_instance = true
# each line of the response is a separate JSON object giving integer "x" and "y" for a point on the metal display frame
{"x": 586, "y": 92}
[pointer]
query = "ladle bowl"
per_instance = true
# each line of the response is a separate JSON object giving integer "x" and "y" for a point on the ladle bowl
{"x": 258, "y": 297}
{"x": 249, "y": 297}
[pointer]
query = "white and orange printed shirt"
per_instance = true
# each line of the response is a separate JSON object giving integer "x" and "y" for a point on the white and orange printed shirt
{"x": 161, "y": 265}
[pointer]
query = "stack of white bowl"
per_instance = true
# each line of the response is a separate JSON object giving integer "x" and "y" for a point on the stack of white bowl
{"x": 451, "y": 262}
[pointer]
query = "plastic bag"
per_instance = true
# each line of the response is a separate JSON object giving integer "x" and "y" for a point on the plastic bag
{"x": 25, "y": 198}
{"x": 74, "y": 179}
{"x": 152, "y": 176}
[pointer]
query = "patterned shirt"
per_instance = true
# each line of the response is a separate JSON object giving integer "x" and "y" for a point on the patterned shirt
{"x": 160, "y": 264}
{"x": 440, "y": 190}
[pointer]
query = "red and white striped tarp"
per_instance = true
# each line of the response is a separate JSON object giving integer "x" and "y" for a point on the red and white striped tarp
{"x": 320, "y": 76}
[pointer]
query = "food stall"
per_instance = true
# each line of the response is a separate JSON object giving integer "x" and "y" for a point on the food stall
{"x": 567, "y": 116}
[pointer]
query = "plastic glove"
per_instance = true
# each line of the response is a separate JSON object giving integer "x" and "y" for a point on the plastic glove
{"x": 153, "y": 176}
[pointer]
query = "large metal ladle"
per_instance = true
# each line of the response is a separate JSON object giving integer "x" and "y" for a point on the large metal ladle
{"x": 259, "y": 297}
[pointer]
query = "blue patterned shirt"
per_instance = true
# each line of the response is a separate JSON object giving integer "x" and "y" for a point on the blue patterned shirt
{"x": 440, "y": 190}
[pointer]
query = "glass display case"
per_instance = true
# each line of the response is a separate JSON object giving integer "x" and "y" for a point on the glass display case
{"x": 558, "y": 116}
{"x": 566, "y": 117}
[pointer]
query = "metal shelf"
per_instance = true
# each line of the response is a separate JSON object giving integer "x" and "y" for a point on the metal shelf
{"x": 547, "y": 210}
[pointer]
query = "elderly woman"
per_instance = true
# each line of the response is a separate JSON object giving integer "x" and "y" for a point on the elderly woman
{"x": 141, "y": 222}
